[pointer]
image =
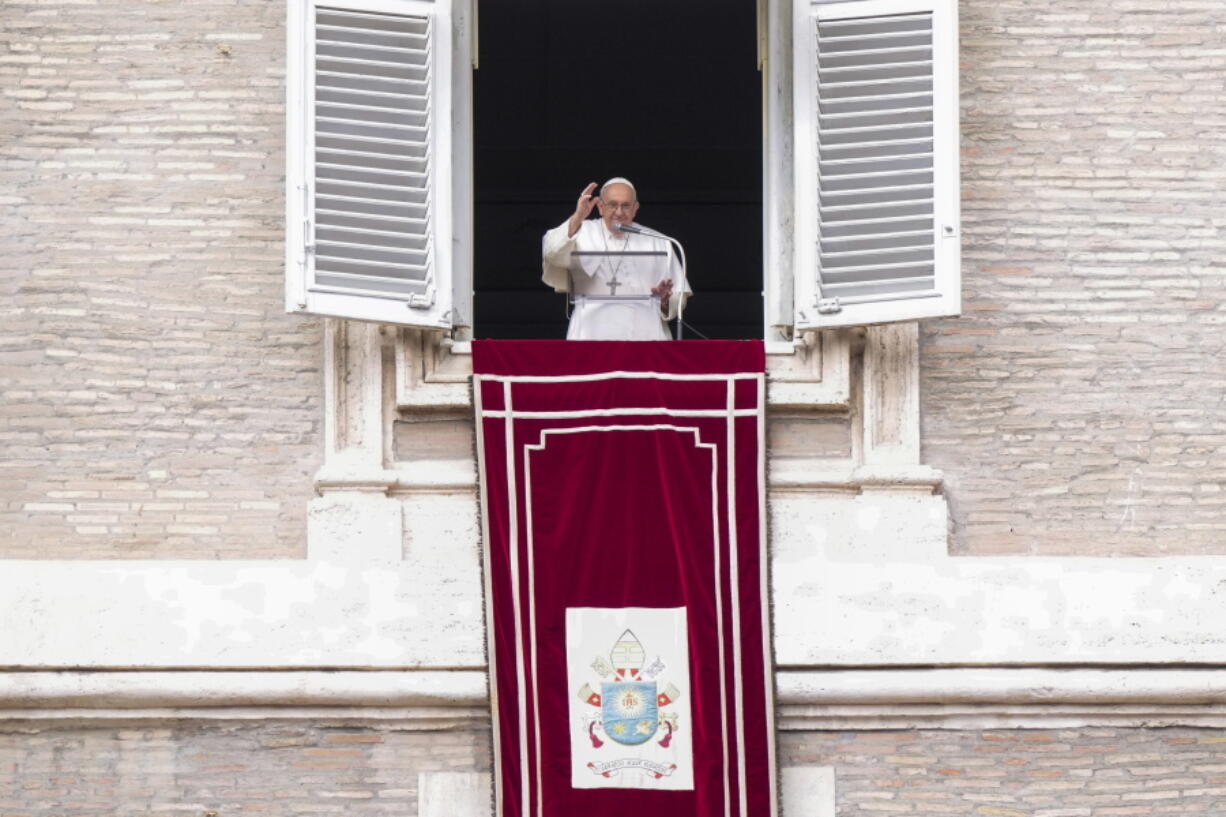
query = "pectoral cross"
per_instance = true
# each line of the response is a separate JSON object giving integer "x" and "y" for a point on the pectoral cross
{"x": 614, "y": 284}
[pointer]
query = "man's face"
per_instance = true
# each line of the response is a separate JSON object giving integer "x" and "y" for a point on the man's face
{"x": 617, "y": 206}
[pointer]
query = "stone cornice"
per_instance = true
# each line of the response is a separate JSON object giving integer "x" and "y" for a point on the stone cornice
{"x": 942, "y": 698}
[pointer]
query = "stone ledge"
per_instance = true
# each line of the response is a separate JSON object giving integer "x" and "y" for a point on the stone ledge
{"x": 417, "y": 718}
{"x": 329, "y": 479}
{"x": 242, "y": 688}
{"x": 1002, "y": 685}
{"x": 783, "y": 474}
{"x": 805, "y": 475}
{"x": 953, "y": 698}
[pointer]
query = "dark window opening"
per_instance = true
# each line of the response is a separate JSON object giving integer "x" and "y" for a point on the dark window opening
{"x": 664, "y": 93}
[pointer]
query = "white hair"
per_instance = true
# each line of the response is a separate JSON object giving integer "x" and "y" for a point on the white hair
{"x": 620, "y": 180}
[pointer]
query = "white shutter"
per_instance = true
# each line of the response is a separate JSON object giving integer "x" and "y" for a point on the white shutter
{"x": 876, "y": 107}
{"x": 369, "y": 176}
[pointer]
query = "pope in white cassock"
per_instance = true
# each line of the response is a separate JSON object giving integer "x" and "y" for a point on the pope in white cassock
{"x": 649, "y": 272}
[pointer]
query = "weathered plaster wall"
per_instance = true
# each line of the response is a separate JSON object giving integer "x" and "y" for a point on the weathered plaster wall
{"x": 1076, "y": 407}
{"x": 857, "y": 580}
{"x": 155, "y": 402}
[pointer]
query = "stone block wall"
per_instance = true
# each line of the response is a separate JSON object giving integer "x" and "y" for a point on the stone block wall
{"x": 155, "y": 400}
{"x": 1076, "y": 406}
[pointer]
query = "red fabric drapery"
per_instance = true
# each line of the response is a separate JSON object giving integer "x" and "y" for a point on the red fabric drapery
{"x": 624, "y": 529}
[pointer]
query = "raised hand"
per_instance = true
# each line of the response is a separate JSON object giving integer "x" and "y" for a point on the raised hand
{"x": 583, "y": 208}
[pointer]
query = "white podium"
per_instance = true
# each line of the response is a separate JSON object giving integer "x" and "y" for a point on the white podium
{"x": 616, "y": 317}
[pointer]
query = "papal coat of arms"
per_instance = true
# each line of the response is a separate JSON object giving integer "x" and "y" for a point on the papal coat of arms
{"x": 629, "y": 709}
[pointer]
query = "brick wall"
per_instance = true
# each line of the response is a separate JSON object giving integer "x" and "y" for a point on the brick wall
{"x": 293, "y": 769}
{"x": 1077, "y": 407}
{"x": 155, "y": 401}
{"x": 266, "y": 769}
{"x": 1020, "y": 773}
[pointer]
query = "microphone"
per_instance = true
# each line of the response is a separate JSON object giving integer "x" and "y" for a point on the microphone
{"x": 632, "y": 228}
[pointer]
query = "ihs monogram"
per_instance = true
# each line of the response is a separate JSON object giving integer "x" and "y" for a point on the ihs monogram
{"x": 630, "y": 705}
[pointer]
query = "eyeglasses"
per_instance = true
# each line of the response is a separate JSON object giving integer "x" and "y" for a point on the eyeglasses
{"x": 627, "y": 206}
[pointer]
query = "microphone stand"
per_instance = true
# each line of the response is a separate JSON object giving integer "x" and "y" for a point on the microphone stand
{"x": 631, "y": 228}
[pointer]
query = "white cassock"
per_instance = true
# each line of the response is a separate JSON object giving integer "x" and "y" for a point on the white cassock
{"x": 566, "y": 266}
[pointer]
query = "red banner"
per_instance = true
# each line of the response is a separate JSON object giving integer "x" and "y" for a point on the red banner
{"x": 623, "y": 497}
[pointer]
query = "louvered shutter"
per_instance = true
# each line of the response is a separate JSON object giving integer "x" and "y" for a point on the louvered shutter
{"x": 876, "y": 103}
{"x": 369, "y": 198}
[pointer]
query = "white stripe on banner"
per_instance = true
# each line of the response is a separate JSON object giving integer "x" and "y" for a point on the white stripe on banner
{"x": 734, "y": 584}
{"x": 513, "y": 506}
{"x": 620, "y": 412}
{"x": 618, "y": 375}
{"x": 652, "y": 770}
{"x": 536, "y": 698}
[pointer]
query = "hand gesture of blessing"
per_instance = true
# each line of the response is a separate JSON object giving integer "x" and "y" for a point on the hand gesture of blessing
{"x": 583, "y": 208}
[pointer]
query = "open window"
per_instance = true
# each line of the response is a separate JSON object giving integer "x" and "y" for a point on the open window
{"x": 574, "y": 92}
{"x": 859, "y": 158}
